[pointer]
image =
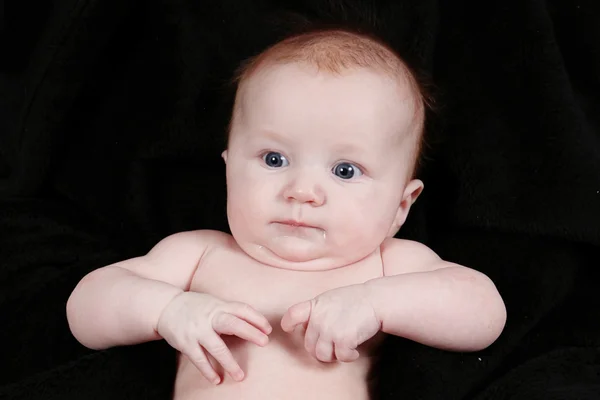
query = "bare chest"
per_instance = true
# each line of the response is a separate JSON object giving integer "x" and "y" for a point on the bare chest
{"x": 231, "y": 275}
{"x": 282, "y": 369}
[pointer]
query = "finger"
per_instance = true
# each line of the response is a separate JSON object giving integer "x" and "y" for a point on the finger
{"x": 219, "y": 350}
{"x": 231, "y": 325}
{"x": 249, "y": 314}
{"x": 198, "y": 357}
{"x": 310, "y": 340}
{"x": 324, "y": 349}
{"x": 296, "y": 315}
{"x": 345, "y": 353}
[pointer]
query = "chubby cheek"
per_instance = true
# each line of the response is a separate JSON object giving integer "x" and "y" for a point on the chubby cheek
{"x": 248, "y": 203}
{"x": 361, "y": 223}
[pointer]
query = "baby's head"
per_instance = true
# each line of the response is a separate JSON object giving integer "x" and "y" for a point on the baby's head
{"x": 324, "y": 139}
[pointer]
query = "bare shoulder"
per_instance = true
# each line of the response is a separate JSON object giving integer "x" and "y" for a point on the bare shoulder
{"x": 176, "y": 258}
{"x": 401, "y": 256}
{"x": 194, "y": 241}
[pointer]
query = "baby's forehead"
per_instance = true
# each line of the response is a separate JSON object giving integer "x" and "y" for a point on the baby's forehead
{"x": 277, "y": 80}
{"x": 345, "y": 111}
{"x": 360, "y": 92}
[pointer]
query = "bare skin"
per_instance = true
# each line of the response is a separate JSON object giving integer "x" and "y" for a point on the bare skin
{"x": 260, "y": 352}
{"x": 292, "y": 305}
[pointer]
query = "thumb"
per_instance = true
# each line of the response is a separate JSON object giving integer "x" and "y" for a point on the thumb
{"x": 296, "y": 315}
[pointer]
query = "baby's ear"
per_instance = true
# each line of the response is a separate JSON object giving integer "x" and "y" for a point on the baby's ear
{"x": 224, "y": 156}
{"x": 411, "y": 192}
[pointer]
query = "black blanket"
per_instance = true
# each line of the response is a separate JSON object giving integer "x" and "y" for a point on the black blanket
{"x": 112, "y": 114}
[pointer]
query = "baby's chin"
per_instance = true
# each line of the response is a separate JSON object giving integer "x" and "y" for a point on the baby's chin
{"x": 294, "y": 253}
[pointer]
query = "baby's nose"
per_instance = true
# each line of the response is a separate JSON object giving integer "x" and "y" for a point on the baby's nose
{"x": 304, "y": 189}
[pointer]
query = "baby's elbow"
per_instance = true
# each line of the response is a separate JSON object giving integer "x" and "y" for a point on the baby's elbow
{"x": 79, "y": 320}
{"x": 491, "y": 308}
{"x": 493, "y": 322}
{"x": 498, "y": 320}
{"x": 496, "y": 311}
{"x": 76, "y": 325}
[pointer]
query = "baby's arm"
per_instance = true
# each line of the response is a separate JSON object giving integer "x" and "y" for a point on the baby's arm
{"x": 440, "y": 304}
{"x": 148, "y": 298}
{"x": 120, "y": 304}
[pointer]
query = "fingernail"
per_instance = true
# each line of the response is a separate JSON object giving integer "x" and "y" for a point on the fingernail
{"x": 217, "y": 380}
{"x": 239, "y": 375}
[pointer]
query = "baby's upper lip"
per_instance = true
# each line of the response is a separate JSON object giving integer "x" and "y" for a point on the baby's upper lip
{"x": 294, "y": 222}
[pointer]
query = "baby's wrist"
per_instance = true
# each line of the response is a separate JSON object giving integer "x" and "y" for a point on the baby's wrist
{"x": 175, "y": 297}
{"x": 373, "y": 294}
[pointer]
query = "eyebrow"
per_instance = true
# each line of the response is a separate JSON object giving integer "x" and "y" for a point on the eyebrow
{"x": 272, "y": 135}
{"x": 349, "y": 148}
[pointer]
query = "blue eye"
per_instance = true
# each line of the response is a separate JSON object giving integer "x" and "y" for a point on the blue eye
{"x": 275, "y": 160}
{"x": 346, "y": 170}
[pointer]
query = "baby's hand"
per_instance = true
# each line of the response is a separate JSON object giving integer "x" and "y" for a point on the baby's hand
{"x": 336, "y": 323}
{"x": 193, "y": 322}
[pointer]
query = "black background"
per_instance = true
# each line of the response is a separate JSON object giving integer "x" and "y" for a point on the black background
{"x": 112, "y": 116}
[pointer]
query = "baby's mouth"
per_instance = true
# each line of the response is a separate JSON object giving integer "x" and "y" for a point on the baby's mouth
{"x": 295, "y": 224}
{"x": 297, "y": 228}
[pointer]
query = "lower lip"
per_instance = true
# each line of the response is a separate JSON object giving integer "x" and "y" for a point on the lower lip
{"x": 295, "y": 229}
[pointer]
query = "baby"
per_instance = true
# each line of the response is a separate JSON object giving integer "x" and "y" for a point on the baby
{"x": 324, "y": 139}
